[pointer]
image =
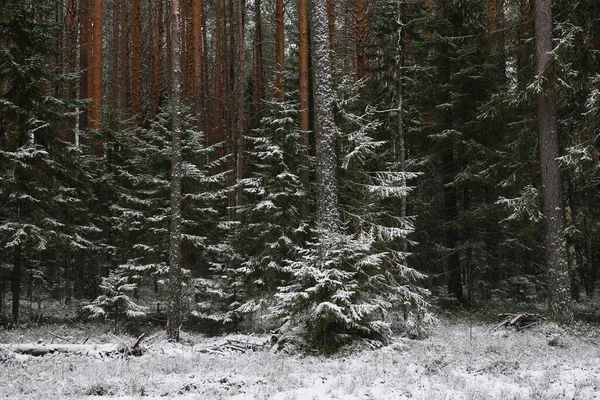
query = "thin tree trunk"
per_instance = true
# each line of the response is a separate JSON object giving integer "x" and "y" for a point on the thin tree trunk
{"x": 279, "y": 51}
{"x": 218, "y": 116}
{"x": 400, "y": 142}
{"x": 96, "y": 106}
{"x": 559, "y": 292}
{"x": 71, "y": 64}
{"x": 326, "y": 159}
{"x": 197, "y": 41}
{"x": 136, "y": 59}
{"x": 114, "y": 74}
{"x": 125, "y": 57}
{"x": 258, "y": 67}
{"x": 84, "y": 58}
{"x": 304, "y": 94}
{"x": 175, "y": 312}
{"x": 158, "y": 67}
{"x": 241, "y": 98}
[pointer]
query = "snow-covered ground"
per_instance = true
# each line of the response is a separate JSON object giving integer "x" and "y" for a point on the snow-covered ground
{"x": 456, "y": 362}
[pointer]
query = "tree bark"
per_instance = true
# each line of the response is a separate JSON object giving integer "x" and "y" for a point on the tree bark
{"x": 136, "y": 59}
{"x": 326, "y": 158}
{"x": 197, "y": 41}
{"x": 84, "y": 58}
{"x": 218, "y": 106}
{"x": 125, "y": 57}
{"x": 114, "y": 73}
{"x": 559, "y": 291}
{"x": 241, "y": 110}
{"x": 258, "y": 66}
{"x": 279, "y": 51}
{"x": 174, "y": 317}
{"x": 304, "y": 94}
{"x": 96, "y": 69}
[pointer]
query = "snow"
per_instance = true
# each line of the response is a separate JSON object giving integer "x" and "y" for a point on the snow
{"x": 456, "y": 362}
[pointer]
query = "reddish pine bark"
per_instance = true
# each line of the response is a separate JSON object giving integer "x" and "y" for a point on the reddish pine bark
{"x": 258, "y": 67}
{"x": 96, "y": 68}
{"x": 218, "y": 106}
{"x": 136, "y": 59}
{"x": 84, "y": 58}
{"x": 125, "y": 56}
{"x": 197, "y": 42}
{"x": 304, "y": 93}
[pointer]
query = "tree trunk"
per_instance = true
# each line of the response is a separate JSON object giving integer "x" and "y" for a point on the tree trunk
{"x": 114, "y": 73}
{"x": 174, "y": 318}
{"x": 158, "y": 66}
{"x": 136, "y": 59}
{"x": 125, "y": 57}
{"x": 197, "y": 41}
{"x": 326, "y": 159}
{"x": 218, "y": 116}
{"x": 96, "y": 69}
{"x": 84, "y": 58}
{"x": 279, "y": 51}
{"x": 331, "y": 22}
{"x": 258, "y": 67}
{"x": 241, "y": 98}
{"x": 304, "y": 94}
{"x": 559, "y": 291}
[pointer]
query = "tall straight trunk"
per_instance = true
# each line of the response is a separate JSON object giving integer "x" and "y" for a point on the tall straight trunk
{"x": 241, "y": 98}
{"x": 125, "y": 56}
{"x": 158, "y": 66}
{"x": 360, "y": 36}
{"x": 279, "y": 51}
{"x": 258, "y": 66}
{"x": 175, "y": 284}
{"x": 207, "y": 110}
{"x": 218, "y": 116}
{"x": 114, "y": 73}
{"x": 96, "y": 106}
{"x": 188, "y": 52}
{"x": 136, "y": 59}
{"x": 400, "y": 150}
{"x": 304, "y": 94}
{"x": 197, "y": 65}
{"x": 331, "y": 22}
{"x": 326, "y": 160}
{"x": 84, "y": 58}
{"x": 559, "y": 291}
{"x": 71, "y": 54}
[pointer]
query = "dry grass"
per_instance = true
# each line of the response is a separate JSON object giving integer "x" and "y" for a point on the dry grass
{"x": 456, "y": 362}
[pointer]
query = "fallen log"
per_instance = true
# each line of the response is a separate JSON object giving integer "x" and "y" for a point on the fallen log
{"x": 94, "y": 350}
{"x": 520, "y": 321}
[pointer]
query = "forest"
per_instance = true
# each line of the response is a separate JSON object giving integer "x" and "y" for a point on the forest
{"x": 326, "y": 170}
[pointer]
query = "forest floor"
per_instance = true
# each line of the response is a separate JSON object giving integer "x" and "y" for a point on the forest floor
{"x": 457, "y": 361}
